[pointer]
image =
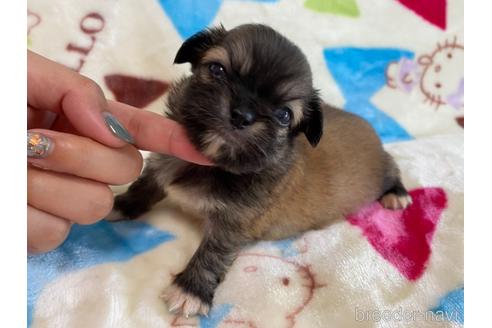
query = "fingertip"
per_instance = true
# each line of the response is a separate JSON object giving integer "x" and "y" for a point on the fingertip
{"x": 156, "y": 133}
{"x": 45, "y": 231}
{"x": 180, "y": 146}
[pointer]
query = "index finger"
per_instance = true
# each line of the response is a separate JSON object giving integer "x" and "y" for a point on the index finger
{"x": 55, "y": 88}
{"x": 156, "y": 133}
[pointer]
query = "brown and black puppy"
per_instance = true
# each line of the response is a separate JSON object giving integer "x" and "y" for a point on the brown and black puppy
{"x": 251, "y": 108}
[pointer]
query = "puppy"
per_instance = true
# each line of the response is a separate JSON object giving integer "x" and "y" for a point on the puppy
{"x": 251, "y": 108}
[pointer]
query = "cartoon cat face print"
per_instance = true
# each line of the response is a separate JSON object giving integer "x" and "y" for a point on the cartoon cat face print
{"x": 438, "y": 76}
{"x": 287, "y": 288}
{"x": 440, "y": 82}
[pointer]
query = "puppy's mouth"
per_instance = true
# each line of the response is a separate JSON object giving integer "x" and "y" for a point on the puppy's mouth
{"x": 225, "y": 139}
{"x": 235, "y": 150}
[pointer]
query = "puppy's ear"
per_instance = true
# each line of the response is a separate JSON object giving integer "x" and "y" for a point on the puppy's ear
{"x": 312, "y": 124}
{"x": 193, "y": 48}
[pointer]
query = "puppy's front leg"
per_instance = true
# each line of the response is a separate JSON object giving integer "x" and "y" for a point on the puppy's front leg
{"x": 193, "y": 289}
{"x": 139, "y": 198}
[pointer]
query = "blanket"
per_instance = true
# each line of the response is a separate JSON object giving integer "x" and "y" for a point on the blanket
{"x": 397, "y": 63}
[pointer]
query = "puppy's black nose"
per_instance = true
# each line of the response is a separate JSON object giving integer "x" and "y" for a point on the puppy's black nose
{"x": 242, "y": 117}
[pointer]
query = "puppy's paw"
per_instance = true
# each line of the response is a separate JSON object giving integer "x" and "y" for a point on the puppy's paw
{"x": 396, "y": 202}
{"x": 181, "y": 302}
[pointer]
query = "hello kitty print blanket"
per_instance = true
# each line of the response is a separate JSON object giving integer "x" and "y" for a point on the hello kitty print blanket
{"x": 397, "y": 63}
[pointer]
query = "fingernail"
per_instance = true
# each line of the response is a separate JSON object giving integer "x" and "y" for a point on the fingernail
{"x": 117, "y": 128}
{"x": 38, "y": 145}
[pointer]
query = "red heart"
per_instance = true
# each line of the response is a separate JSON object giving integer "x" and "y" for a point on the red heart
{"x": 433, "y": 11}
{"x": 461, "y": 121}
{"x": 403, "y": 237}
{"x": 135, "y": 91}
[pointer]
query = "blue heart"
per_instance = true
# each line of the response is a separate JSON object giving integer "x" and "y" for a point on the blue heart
{"x": 360, "y": 73}
{"x": 452, "y": 306}
{"x": 88, "y": 246}
{"x": 190, "y": 16}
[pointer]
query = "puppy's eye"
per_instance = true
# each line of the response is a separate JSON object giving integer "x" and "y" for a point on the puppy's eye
{"x": 283, "y": 115}
{"x": 217, "y": 70}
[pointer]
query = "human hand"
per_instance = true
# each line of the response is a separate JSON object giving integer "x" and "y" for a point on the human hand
{"x": 73, "y": 155}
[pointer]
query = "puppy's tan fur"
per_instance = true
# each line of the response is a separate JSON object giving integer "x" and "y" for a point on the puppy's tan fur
{"x": 325, "y": 183}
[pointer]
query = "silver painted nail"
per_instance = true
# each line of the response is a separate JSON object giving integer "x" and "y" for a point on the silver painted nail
{"x": 38, "y": 145}
{"x": 116, "y": 127}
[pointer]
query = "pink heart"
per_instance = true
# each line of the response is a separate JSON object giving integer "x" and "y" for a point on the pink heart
{"x": 403, "y": 237}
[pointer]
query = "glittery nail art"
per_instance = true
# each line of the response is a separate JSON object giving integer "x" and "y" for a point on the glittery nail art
{"x": 38, "y": 145}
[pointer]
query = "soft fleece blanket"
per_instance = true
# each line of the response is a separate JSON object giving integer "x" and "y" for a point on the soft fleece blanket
{"x": 397, "y": 63}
